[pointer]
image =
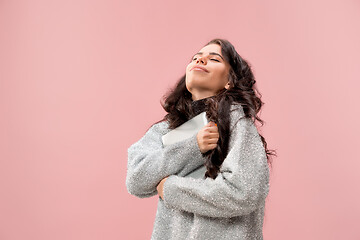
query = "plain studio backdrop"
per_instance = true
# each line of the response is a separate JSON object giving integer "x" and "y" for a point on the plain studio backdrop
{"x": 80, "y": 81}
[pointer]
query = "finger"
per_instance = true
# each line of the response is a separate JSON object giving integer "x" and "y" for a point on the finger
{"x": 206, "y": 126}
{"x": 212, "y": 141}
{"x": 212, "y": 146}
{"x": 208, "y": 134}
{"x": 210, "y": 124}
{"x": 213, "y": 129}
{"x": 213, "y": 135}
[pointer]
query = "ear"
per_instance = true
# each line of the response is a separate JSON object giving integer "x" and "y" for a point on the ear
{"x": 227, "y": 86}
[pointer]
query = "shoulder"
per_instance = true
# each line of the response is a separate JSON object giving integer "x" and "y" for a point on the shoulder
{"x": 236, "y": 113}
{"x": 236, "y": 110}
{"x": 239, "y": 121}
{"x": 152, "y": 137}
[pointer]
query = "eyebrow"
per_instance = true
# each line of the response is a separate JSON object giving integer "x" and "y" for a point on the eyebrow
{"x": 210, "y": 53}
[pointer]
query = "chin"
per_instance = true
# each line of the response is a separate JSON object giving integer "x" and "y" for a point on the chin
{"x": 197, "y": 82}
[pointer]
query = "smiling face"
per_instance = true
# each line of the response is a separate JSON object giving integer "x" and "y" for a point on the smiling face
{"x": 211, "y": 76}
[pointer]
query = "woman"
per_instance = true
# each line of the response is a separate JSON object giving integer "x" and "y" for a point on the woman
{"x": 228, "y": 201}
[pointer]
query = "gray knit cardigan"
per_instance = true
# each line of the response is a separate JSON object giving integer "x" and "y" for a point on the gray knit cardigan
{"x": 231, "y": 206}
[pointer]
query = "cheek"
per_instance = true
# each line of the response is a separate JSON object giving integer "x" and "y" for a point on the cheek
{"x": 222, "y": 77}
{"x": 188, "y": 66}
{"x": 187, "y": 71}
{"x": 220, "y": 72}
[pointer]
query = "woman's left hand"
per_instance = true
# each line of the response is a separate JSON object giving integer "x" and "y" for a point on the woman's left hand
{"x": 160, "y": 187}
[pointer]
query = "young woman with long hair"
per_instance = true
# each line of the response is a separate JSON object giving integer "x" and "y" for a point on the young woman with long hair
{"x": 228, "y": 201}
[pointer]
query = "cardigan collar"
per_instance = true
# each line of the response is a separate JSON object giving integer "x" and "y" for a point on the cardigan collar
{"x": 199, "y": 106}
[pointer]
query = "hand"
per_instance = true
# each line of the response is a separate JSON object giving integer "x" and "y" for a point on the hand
{"x": 208, "y": 137}
{"x": 160, "y": 187}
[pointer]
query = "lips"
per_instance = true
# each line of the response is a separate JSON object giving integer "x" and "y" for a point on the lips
{"x": 199, "y": 67}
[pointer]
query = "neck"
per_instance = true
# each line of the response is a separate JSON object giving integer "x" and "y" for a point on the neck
{"x": 199, "y": 96}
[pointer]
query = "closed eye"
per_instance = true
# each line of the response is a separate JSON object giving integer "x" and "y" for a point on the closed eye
{"x": 210, "y": 59}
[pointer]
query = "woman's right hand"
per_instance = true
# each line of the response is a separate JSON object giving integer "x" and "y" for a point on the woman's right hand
{"x": 208, "y": 137}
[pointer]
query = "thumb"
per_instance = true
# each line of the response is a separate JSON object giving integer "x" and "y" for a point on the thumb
{"x": 212, "y": 124}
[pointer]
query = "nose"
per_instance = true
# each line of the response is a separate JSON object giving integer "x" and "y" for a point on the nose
{"x": 201, "y": 59}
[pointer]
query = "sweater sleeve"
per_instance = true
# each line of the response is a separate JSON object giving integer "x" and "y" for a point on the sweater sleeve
{"x": 149, "y": 161}
{"x": 240, "y": 187}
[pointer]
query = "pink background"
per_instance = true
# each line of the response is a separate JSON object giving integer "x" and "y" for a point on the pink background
{"x": 80, "y": 81}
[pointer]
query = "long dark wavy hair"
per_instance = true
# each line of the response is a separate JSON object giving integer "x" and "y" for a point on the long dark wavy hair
{"x": 177, "y": 104}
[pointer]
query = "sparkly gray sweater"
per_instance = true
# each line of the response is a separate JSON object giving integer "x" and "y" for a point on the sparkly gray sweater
{"x": 231, "y": 206}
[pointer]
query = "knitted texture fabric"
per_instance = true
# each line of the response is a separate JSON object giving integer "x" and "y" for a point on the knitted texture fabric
{"x": 231, "y": 206}
{"x": 199, "y": 106}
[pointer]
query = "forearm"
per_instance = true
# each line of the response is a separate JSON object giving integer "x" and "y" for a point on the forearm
{"x": 239, "y": 188}
{"x": 146, "y": 169}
